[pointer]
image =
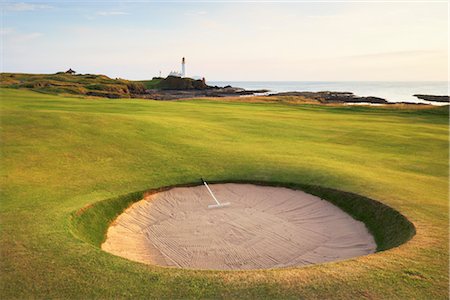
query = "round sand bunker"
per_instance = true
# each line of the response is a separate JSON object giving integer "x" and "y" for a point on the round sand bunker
{"x": 264, "y": 227}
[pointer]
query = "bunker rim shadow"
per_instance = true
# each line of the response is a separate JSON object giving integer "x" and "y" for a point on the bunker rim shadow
{"x": 389, "y": 227}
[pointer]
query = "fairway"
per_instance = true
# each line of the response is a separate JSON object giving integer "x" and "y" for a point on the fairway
{"x": 60, "y": 155}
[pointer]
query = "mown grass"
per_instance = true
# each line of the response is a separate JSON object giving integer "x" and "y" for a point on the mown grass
{"x": 61, "y": 154}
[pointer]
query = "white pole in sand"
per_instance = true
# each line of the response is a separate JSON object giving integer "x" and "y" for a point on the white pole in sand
{"x": 214, "y": 197}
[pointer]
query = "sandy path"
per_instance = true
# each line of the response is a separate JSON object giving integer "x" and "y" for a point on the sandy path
{"x": 265, "y": 227}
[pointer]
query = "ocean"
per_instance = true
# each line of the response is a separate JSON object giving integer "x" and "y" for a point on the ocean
{"x": 392, "y": 91}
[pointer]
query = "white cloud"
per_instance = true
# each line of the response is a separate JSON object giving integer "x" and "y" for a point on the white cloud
{"x": 22, "y": 6}
{"x": 20, "y": 38}
{"x": 6, "y": 31}
{"x": 111, "y": 13}
{"x": 195, "y": 13}
{"x": 395, "y": 54}
{"x": 11, "y": 37}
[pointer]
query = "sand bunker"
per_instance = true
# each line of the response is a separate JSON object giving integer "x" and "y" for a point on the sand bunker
{"x": 264, "y": 227}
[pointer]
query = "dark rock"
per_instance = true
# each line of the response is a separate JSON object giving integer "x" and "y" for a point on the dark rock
{"x": 253, "y": 92}
{"x": 105, "y": 94}
{"x": 173, "y": 88}
{"x": 178, "y": 83}
{"x": 409, "y": 103}
{"x": 334, "y": 97}
{"x": 433, "y": 98}
{"x": 368, "y": 100}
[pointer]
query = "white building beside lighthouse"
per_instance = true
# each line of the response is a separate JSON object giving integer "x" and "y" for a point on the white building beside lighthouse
{"x": 183, "y": 70}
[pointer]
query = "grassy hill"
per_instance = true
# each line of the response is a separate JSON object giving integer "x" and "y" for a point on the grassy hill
{"x": 79, "y": 84}
{"x": 94, "y": 85}
{"x": 173, "y": 83}
{"x": 151, "y": 84}
{"x": 62, "y": 154}
{"x": 178, "y": 83}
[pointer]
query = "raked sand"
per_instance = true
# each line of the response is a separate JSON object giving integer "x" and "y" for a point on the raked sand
{"x": 264, "y": 227}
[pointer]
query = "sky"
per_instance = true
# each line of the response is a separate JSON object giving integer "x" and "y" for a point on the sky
{"x": 251, "y": 41}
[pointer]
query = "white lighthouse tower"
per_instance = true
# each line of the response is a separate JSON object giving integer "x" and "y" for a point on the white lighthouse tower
{"x": 183, "y": 67}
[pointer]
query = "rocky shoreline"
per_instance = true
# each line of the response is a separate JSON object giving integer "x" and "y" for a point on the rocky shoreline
{"x": 433, "y": 98}
{"x": 227, "y": 91}
{"x": 173, "y": 88}
{"x": 325, "y": 97}
{"x": 335, "y": 97}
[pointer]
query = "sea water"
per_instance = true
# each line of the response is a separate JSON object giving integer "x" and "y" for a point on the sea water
{"x": 393, "y": 91}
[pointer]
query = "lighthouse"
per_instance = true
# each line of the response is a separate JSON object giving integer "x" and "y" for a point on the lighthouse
{"x": 183, "y": 67}
{"x": 183, "y": 70}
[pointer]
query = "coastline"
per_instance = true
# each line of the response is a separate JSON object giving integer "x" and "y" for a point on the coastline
{"x": 392, "y": 91}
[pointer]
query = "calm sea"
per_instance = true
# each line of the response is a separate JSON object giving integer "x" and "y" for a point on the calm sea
{"x": 391, "y": 91}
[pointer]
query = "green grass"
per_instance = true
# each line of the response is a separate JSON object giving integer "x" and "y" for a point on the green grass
{"x": 173, "y": 83}
{"x": 151, "y": 84}
{"x": 62, "y": 154}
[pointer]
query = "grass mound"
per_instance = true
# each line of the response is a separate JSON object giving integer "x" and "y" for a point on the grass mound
{"x": 79, "y": 84}
{"x": 151, "y": 84}
{"x": 178, "y": 83}
{"x": 389, "y": 228}
{"x": 94, "y": 85}
{"x": 91, "y": 222}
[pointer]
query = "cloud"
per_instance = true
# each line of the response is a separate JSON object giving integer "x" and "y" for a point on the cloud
{"x": 22, "y": 6}
{"x": 6, "y": 31}
{"x": 195, "y": 13}
{"x": 396, "y": 54}
{"x": 275, "y": 41}
{"x": 20, "y": 38}
{"x": 111, "y": 13}
{"x": 11, "y": 36}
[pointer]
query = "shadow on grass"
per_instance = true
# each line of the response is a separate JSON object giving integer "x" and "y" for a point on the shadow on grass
{"x": 389, "y": 227}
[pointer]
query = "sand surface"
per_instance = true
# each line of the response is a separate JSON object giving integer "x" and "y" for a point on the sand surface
{"x": 264, "y": 227}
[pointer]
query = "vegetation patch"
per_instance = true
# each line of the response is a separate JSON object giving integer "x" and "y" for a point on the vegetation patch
{"x": 79, "y": 84}
{"x": 90, "y": 223}
{"x": 178, "y": 83}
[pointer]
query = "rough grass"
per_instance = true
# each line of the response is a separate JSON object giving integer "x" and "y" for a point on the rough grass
{"x": 151, "y": 84}
{"x": 90, "y": 223}
{"x": 61, "y": 154}
{"x": 79, "y": 84}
